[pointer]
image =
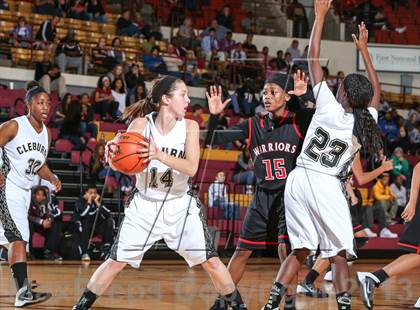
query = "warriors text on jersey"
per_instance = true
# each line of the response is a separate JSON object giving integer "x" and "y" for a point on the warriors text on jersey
{"x": 25, "y": 154}
{"x": 159, "y": 181}
{"x": 274, "y": 144}
{"x": 329, "y": 145}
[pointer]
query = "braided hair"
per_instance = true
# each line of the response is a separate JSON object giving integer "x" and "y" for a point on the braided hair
{"x": 359, "y": 93}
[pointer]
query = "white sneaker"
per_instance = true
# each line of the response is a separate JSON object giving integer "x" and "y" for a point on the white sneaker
{"x": 417, "y": 305}
{"x": 370, "y": 233}
{"x": 386, "y": 233}
{"x": 328, "y": 276}
{"x": 25, "y": 296}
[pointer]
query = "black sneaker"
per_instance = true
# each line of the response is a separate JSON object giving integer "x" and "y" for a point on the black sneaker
{"x": 310, "y": 290}
{"x": 25, "y": 296}
{"x": 273, "y": 303}
{"x": 367, "y": 284}
{"x": 219, "y": 304}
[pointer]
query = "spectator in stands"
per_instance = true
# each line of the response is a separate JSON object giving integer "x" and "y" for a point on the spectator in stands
{"x": 227, "y": 45}
{"x": 250, "y": 48}
{"x": 61, "y": 111}
{"x": 99, "y": 170}
{"x": 246, "y": 23}
{"x": 401, "y": 165}
{"x": 186, "y": 34}
{"x": 70, "y": 53}
{"x": 389, "y": 129}
{"x": 78, "y": 10}
{"x": 225, "y": 17}
{"x": 294, "y": 50}
{"x": 116, "y": 51}
{"x": 154, "y": 62}
{"x": 219, "y": 198}
{"x": 87, "y": 124}
{"x": 278, "y": 63}
{"x": 4, "y": 5}
{"x": 45, "y": 37}
{"x": 196, "y": 115}
{"x": 296, "y": 12}
{"x": 192, "y": 77}
{"x": 104, "y": 102}
{"x": 210, "y": 45}
{"x": 415, "y": 140}
{"x": 21, "y": 34}
{"x": 288, "y": 60}
{"x": 410, "y": 124}
{"x": 139, "y": 94}
{"x": 177, "y": 14}
{"x": 400, "y": 192}
{"x": 247, "y": 99}
{"x": 126, "y": 27}
{"x": 45, "y": 218}
{"x": 117, "y": 72}
{"x": 385, "y": 198}
{"x": 244, "y": 171}
{"x": 101, "y": 55}
{"x": 219, "y": 29}
{"x": 235, "y": 67}
{"x": 96, "y": 12}
{"x": 46, "y": 7}
{"x": 148, "y": 45}
{"x": 403, "y": 138}
{"x": 70, "y": 129}
{"x": 119, "y": 93}
{"x": 145, "y": 29}
{"x": 54, "y": 81}
{"x": 265, "y": 58}
{"x": 134, "y": 78}
{"x": 84, "y": 216}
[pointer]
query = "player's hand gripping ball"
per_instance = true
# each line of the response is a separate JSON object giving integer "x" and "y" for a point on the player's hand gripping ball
{"x": 125, "y": 153}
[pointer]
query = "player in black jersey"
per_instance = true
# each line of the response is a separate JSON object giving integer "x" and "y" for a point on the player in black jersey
{"x": 274, "y": 141}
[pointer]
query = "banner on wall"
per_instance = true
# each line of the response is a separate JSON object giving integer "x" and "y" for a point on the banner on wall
{"x": 392, "y": 59}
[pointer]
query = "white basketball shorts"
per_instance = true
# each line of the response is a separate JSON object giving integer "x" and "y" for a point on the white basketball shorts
{"x": 14, "y": 205}
{"x": 178, "y": 221}
{"x": 317, "y": 213}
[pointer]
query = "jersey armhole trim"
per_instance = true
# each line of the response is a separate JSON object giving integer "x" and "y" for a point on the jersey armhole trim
{"x": 296, "y": 128}
{"x": 249, "y": 133}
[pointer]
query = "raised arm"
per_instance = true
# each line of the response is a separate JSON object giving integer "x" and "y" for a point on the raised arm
{"x": 365, "y": 177}
{"x": 315, "y": 69}
{"x": 362, "y": 46}
{"x": 216, "y": 106}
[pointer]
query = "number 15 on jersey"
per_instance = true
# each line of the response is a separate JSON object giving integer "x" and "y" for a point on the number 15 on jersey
{"x": 274, "y": 169}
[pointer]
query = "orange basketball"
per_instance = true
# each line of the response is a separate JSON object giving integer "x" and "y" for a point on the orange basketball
{"x": 127, "y": 158}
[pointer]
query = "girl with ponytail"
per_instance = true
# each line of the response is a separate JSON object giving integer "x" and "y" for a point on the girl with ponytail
{"x": 162, "y": 195}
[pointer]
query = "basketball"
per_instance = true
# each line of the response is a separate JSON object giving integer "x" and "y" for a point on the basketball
{"x": 127, "y": 158}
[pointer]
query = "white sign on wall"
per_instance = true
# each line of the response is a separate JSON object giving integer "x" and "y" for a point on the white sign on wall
{"x": 392, "y": 59}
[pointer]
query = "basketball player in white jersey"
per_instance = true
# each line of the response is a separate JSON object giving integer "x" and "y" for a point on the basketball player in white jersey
{"x": 162, "y": 206}
{"x": 317, "y": 211}
{"x": 24, "y": 143}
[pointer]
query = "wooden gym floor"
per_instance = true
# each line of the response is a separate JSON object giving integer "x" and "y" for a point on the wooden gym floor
{"x": 172, "y": 285}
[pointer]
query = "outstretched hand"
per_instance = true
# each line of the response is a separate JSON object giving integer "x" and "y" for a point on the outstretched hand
{"x": 300, "y": 81}
{"x": 322, "y": 7}
{"x": 216, "y": 106}
{"x": 362, "y": 41}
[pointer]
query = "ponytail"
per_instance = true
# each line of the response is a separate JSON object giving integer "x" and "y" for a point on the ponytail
{"x": 367, "y": 131}
{"x": 161, "y": 86}
{"x": 140, "y": 109}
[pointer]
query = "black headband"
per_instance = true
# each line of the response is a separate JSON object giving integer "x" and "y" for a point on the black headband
{"x": 162, "y": 87}
{"x": 285, "y": 81}
{"x": 31, "y": 93}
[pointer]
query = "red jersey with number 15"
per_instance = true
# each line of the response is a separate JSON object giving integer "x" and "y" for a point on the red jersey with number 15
{"x": 275, "y": 144}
